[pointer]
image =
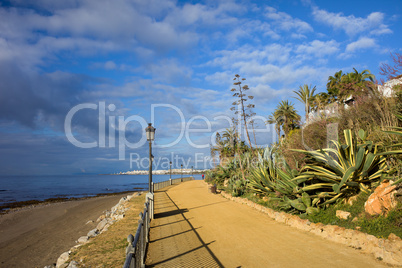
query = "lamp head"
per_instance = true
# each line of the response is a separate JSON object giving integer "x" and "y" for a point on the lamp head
{"x": 150, "y": 131}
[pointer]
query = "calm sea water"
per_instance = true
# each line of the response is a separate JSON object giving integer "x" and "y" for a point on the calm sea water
{"x": 23, "y": 188}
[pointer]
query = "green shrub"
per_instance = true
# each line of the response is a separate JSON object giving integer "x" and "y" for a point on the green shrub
{"x": 379, "y": 226}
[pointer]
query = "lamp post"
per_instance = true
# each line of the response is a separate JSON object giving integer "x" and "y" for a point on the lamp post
{"x": 170, "y": 173}
{"x": 150, "y": 131}
{"x": 181, "y": 171}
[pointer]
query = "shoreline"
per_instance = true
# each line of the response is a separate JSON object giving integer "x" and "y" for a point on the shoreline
{"x": 28, "y": 204}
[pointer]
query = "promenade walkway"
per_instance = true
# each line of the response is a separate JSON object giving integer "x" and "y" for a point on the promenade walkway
{"x": 194, "y": 228}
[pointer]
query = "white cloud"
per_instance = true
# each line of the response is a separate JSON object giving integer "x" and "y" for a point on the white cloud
{"x": 286, "y": 22}
{"x": 318, "y": 48}
{"x": 298, "y": 36}
{"x": 169, "y": 71}
{"x": 110, "y": 65}
{"x": 219, "y": 78}
{"x": 286, "y": 75}
{"x": 270, "y": 53}
{"x": 362, "y": 43}
{"x": 198, "y": 14}
{"x": 353, "y": 25}
{"x": 82, "y": 46}
{"x": 120, "y": 22}
{"x": 263, "y": 93}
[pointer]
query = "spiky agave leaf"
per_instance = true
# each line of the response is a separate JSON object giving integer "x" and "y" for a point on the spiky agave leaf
{"x": 345, "y": 168}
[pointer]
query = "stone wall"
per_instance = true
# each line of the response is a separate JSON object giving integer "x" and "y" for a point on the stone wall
{"x": 388, "y": 250}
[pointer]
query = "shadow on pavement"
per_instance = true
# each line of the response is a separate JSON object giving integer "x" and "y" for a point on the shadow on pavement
{"x": 179, "y": 243}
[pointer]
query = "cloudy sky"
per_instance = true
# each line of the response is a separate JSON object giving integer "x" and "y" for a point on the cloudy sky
{"x": 79, "y": 79}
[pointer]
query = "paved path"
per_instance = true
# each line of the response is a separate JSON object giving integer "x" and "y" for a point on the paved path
{"x": 194, "y": 228}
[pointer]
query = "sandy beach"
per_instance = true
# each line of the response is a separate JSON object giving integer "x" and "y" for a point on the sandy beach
{"x": 36, "y": 236}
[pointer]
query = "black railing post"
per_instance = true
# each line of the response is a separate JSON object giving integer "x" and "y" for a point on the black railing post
{"x": 139, "y": 255}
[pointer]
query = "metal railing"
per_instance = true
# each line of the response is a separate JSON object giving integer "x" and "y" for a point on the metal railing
{"x": 135, "y": 252}
{"x": 163, "y": 184}
{"x": 137, "y": 245}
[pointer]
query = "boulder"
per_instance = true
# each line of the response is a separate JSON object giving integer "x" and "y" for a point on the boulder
{"x": 344, "y": 215}
{"x": 351, "y": 200}
{"x": 101, "y": 225}
{"x": 105, "y": 228}
{"x": 382, "y": 200}
{"x": 119, "y": 217}
{"x": 122, "y": 200}
{"x": 62, "y": 259}
{"x": 115, "y": 208}
{"x": 73, "y": 264}
{"x": 83, "y": 239}
{"x": 101, "y": 217}
{"x": 93, "y": 233}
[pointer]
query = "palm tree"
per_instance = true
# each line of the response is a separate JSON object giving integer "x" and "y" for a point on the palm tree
{"x": 320, "y": 101}
{"x": 272, "y": 119}
{"x": 218, "y": 147}
{"x": 333, "y": 86}
{"x": 355, "y": 84}
{"x": 230, "y": 141}
{"x": 306, "y": 95}
{"x": 362, "y": 77}
{"x": 342, "y": 86}
{"x": 286, "y": 112}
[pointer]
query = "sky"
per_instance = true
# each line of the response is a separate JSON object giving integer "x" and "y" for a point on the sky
{"x": 80, "y": 79}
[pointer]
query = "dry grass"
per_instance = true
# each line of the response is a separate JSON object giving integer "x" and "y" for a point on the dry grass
{"x": 108, "y": 249}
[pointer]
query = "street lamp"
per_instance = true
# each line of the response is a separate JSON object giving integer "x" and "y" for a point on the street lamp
{"x": 181, "y": 171}
{"x": 150, "y": 131}
{"x": 170, "y": 173}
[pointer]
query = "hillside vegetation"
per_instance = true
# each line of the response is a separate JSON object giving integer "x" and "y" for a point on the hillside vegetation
{"x": 350, "y": 143}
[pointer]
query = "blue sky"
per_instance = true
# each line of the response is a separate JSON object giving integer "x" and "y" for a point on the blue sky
{"x": 172, "y": 62}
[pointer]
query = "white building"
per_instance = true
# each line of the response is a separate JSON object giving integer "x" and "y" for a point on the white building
{"x": 331, "y": 110}
{"x": 387, "y": 88}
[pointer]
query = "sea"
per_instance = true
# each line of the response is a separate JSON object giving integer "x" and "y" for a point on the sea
{"x": 25, "y": 188}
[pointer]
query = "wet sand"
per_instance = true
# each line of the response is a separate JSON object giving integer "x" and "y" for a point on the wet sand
{"x": 36, "y": 236}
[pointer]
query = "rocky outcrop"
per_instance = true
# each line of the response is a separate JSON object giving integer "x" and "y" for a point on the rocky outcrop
{"x": 83, "y": 239}
{"x": 382, "y": 200}
{"x": 387, "y": 250}
{"x": 344, "y": 215}
{"x": 109, "y": 217}
{"x": 62, "y": 259}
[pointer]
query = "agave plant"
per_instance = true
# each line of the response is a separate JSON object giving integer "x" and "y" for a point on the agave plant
{"x": 304, "y": 204}
{"x": 395, "y": 131}
{"x": 280, "y": 183}
{"x": 343, "y": 170}
{"x": 267, "y": 179}
{"x": 237, "y": 186}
